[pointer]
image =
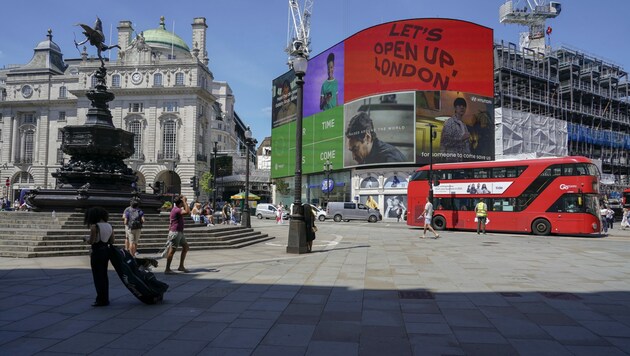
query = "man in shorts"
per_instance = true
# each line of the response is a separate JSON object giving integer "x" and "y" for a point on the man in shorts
{"x": 176, "y": 234}
{"x": 428, "y": 214}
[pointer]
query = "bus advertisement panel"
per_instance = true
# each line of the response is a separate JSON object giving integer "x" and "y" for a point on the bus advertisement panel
{"x": 369, "y": 100}
{"x": 540, "y": 196}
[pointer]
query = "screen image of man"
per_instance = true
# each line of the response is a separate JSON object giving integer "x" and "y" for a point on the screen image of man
{"x": 328, "y": 98}
{"x": 455, "y": 136}
{"x": 365, "y": 146}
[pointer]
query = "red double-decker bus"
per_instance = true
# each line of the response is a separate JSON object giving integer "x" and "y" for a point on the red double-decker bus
{"x": 540, "y": 196}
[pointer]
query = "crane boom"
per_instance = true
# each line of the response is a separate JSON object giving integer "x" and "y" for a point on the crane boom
{"x": 533, "y": 15}
{"x": 299, "y": 28}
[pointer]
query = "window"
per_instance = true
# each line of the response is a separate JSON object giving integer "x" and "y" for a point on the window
{"x": 172, "y": 56}
{"x": 135, "y": 127}
{"x": 568, "y": 203}
{"x": 62, "y": 116}
{"x": 136, "y": 107}
{"x": 63, "y": 92}
{"x": 170, "y": 106}
{"x": 59, "y": 156}
{"x": 93, "y": 82}
{"x": 179, "y": 79}
{"x": 116, "y": 81}
{"x": 59, "y": 135}
{"x": 481, "y": 173}
{"x": 28, "y": 146}
{"x": 28, "y": 118}
{"x": 169, "y": 140}
{"x": 157, "y": 79}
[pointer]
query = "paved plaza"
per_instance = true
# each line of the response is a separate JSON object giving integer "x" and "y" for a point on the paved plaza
{"x": 367, "y": 289}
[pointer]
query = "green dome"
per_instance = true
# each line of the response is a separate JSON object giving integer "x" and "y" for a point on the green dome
{"x": 163, "y": 38}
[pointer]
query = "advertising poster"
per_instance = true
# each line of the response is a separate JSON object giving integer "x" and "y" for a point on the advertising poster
{"x": 371, "y": 201}
{"x": 323, "y": 83}
{"x": 322, "y": 140}
{"x": 379, "y": 130}
{"x": 420, "y": 54}
{"x": 284, "y": 99}
{"x": 463, "y": 124}
{"x": 394, "y": 204}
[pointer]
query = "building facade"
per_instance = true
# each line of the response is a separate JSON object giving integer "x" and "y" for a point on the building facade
{"x": 165, "y": 94}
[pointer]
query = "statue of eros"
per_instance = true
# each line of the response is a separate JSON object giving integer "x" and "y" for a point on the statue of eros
{"x": 96, "y": 38}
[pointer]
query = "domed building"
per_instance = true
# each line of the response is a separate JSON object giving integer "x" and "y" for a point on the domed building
{"x": 165, "y": 94}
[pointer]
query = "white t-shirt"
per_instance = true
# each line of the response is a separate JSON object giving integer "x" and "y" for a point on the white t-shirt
{"x": 428, "y": 208}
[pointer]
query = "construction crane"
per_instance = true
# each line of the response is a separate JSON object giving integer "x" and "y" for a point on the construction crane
{"x": 299, "y": 28}
{"x": 533, "y": 15}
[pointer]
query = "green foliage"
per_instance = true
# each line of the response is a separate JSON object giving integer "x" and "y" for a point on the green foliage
{"x": 282, "y": 187}
{"x": 206, "y": 183}
{"x": 167, "y": 205}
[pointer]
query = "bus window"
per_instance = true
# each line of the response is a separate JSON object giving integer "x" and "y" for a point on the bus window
{"x": 568, "y": 203}
{"x": 481, "y": 173}
{"x": 499, "y": 172}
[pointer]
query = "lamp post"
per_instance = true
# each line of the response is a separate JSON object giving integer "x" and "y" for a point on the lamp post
{"x": 431, "y": 137}
{"x": 214, "y": 178}
{"x": 249, "y": 142}
{"x": 297, "y": 228}
{"x": 328, "y": 168}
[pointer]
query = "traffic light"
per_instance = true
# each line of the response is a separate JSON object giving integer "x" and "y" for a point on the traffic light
{"x": 193, "y": 182}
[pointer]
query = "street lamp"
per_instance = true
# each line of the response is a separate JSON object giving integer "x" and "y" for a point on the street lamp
{"x": 297, "y": 227}
{"x": 214, "y": 178}
{"x": 328, "y": 168}
{"x": 432, "y": 135}
{"x": 249, "y": 142}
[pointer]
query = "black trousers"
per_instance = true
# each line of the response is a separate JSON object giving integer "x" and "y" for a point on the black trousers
{"x": 99, "y": 259}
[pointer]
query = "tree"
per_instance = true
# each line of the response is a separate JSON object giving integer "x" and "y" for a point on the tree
{"x": 206, "y": 183}
{"x": 282, "y": 187}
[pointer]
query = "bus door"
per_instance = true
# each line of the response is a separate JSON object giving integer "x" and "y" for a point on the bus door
{"x": 566, "y": 211}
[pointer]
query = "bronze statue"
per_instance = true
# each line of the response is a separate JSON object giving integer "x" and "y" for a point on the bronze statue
{"x": 96, "y": 38}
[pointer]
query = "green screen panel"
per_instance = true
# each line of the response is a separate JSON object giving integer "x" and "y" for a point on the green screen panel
{"x": 283, "y": 151}
{"x": 323, "y": 139}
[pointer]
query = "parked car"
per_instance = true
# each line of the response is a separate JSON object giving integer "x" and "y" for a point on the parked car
{"x": 347, "y": 211}
{"x": 320, "y": 214}
{"x": 268, "y": 211}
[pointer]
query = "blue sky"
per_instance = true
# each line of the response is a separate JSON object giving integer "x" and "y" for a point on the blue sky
{"x": 246, "y": 38}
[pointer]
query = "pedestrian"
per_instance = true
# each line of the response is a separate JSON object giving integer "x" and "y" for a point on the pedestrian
{"x": 279, "y": 215}
{"x": 133, "y": 219}
{"x": 624, "y": 219}
{"x": 610, "y": 217}
{"x": 176, "y": 234}
{"x": 311, "y": 229}
{"x": 602, "y": 214}
{"x": 225, "y": 213}
{"x": 481, "y": 209}
{"x": 101, "y": 234}
{"x": 427, "y": 215}
{"x": 195, "y": 213}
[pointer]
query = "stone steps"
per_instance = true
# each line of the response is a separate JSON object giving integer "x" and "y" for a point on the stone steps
{"x": 33, "y": 234}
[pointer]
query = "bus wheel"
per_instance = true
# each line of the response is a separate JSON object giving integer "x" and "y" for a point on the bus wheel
{"x": 337, "y": 218}
{"x": 439, "y": 223}
{"x": 541, "y": 227}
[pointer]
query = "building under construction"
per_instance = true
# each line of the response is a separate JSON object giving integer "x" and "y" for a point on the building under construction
{"x": 562, "y": 102}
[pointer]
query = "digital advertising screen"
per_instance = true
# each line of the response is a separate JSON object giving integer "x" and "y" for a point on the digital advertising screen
{"x": 375, "y": 98}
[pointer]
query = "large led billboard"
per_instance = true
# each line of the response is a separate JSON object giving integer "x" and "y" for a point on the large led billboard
{"x": 370, "y": 100}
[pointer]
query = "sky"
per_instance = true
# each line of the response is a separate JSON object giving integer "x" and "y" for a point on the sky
{"x": 246, "y": 38}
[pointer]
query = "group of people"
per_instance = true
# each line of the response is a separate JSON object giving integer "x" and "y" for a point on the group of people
{"x": 5, "y": 205}
{"x": 101, "y": 234}
{"x": 202, "y": 214}
{"x": 481, "y": 217}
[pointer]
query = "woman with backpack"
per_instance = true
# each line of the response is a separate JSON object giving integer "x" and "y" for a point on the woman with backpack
{"x": 133, "y": 219}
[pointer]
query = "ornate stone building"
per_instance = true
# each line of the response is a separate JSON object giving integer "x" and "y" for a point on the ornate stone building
{"x": 165, "y": 94}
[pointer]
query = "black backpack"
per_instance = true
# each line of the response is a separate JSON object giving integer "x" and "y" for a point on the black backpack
{"x": 135, "y": 220}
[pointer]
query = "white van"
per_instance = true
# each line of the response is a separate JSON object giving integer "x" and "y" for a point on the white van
{"x": 268, "y": 211}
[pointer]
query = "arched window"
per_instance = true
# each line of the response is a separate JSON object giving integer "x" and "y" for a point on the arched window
{"x": 179, "y": 79}
{"x": 135, "y": 127}
{"x": 369, "y": 182}
{"x": 93, "y": 82}
{"x": 395, "y": 182}
{"x": 63, "y": 92}
{"x": 169, "y": 140}
{"x": 157, "y": 79}
{"x": 116, "y": 81}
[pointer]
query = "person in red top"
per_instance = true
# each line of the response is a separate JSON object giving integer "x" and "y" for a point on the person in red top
{"x": 176, "y": 234}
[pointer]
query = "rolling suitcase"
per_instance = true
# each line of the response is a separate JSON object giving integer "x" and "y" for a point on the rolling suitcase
{"x": 140, "y": 282}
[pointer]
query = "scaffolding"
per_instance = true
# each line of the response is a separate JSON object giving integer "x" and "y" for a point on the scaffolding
{"x": 590, "y": 94}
